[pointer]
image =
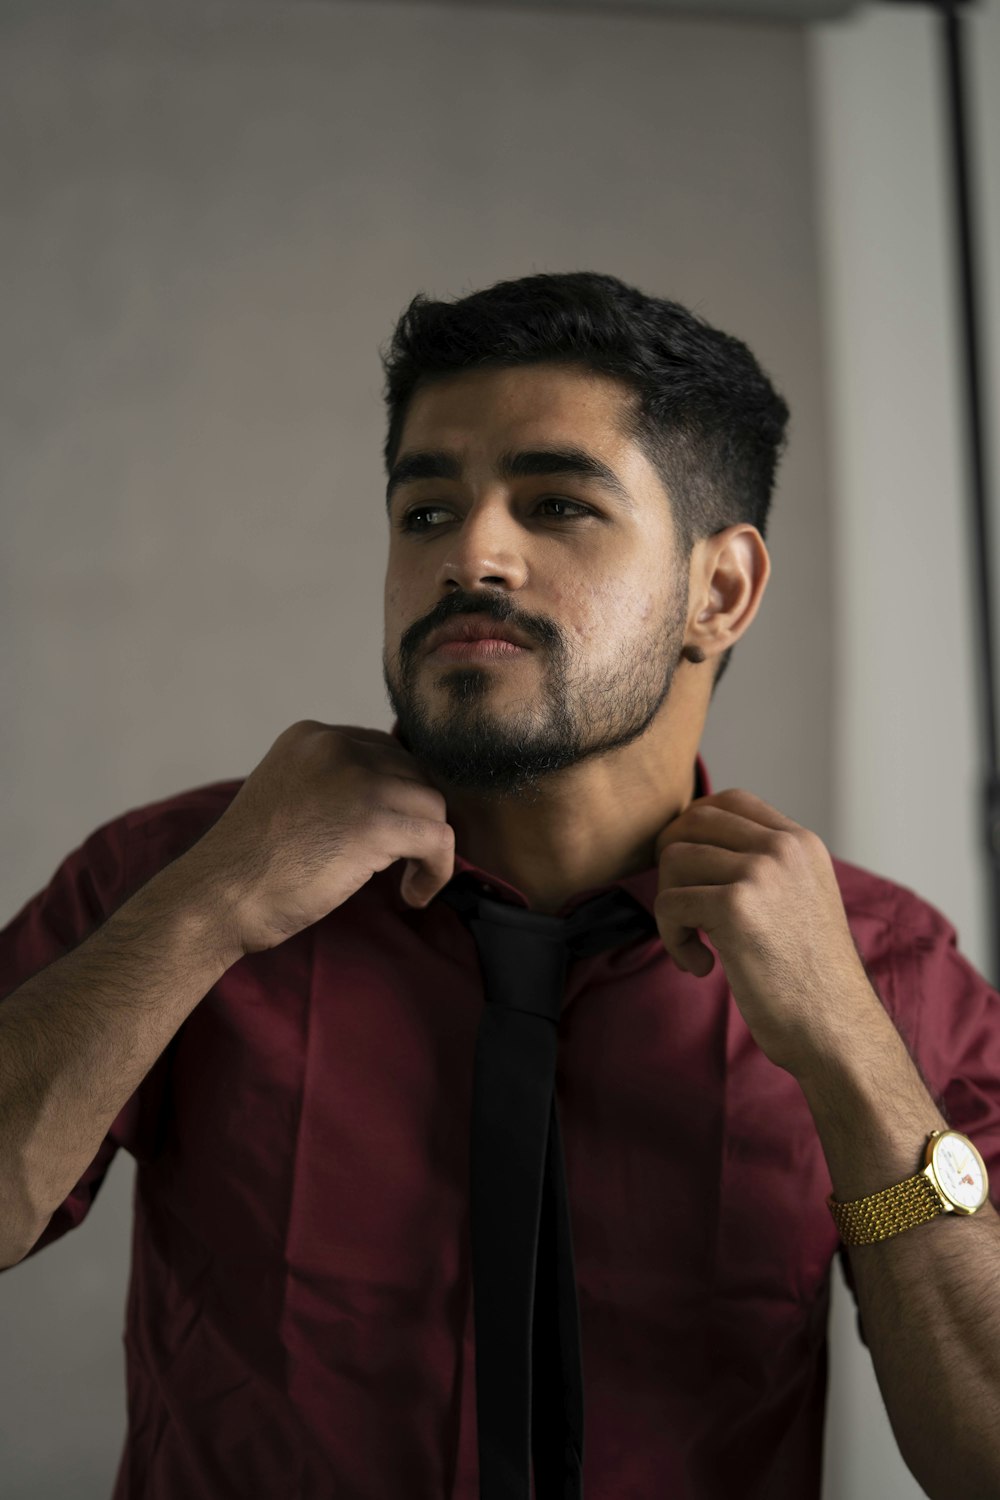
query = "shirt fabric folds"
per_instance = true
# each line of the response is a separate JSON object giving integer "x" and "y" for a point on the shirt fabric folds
{"x": 299, "y": 1317}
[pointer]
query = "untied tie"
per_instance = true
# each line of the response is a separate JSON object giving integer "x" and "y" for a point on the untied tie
{"x": 529, "y": 1363}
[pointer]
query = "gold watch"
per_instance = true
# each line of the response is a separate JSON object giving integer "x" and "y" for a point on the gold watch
{"x": 952, "y": 1180}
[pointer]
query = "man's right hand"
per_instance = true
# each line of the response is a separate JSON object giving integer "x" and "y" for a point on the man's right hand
{"x": 326, "y": 807}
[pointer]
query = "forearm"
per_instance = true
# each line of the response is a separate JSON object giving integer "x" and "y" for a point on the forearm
{"x": 929, "y": 1297}
{"x": 77, "y": 1039}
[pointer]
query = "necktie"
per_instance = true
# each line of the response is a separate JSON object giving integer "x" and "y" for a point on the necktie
{"x": 529, "y": 1365}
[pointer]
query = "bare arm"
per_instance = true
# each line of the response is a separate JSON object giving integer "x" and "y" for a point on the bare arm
{"x": 77, "y": 1039}
{"x": 929, "y": 1297}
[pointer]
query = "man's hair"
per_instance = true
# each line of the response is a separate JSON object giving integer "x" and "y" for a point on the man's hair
{"x": 702, "y": 410}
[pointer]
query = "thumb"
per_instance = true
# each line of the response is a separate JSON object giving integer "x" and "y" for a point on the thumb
{"x": 420, "y": 885}
{"x": 407, "y": 886}
{"x": 694, "y": 957}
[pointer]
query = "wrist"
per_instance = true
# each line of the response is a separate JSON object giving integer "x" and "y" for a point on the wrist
{"x": 203, "y": 909}
{"x": 850, "y": 1050}
{"x": 951, "y": 1178}
{"x": 872, "y": 1111}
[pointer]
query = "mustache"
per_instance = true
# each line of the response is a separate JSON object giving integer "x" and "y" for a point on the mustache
{"x": 492, "y": 606}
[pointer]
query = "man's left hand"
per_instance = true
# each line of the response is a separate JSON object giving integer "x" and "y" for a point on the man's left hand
{"x": 764, "y": 890}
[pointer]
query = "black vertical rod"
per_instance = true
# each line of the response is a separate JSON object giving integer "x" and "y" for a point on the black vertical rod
{"x": 979, "y": 531}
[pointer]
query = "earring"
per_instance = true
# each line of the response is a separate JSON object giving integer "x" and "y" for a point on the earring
{"x": 693, "y": 653}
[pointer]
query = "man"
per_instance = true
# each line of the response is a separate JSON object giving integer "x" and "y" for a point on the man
{"x": 260, "y": 989}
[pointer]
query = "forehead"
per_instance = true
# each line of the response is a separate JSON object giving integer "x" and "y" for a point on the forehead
{"x": 544, "y": 403}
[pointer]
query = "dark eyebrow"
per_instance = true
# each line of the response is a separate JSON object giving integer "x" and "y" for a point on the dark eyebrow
{"x": 526, "y": 464}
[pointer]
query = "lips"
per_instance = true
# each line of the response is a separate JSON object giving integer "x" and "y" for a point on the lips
{"x": 476, "y": 628}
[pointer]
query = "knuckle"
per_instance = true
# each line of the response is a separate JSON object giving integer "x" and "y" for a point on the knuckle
{"x": 810, "y": 841}
{"x": 739, "y": 901}
{"x": 363, "y": 817}
{"x": 797, "y": 839}
{"x": 413, "y": 831}
{"x": 665, "y": 903}
{"x": 446, "y": 837}
{"x": 759, "y": 866}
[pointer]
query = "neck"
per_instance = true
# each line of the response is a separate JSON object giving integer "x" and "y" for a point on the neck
{"x": 586, "y": 826}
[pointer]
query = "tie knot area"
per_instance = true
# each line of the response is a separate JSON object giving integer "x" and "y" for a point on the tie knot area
{"x": 606, "y": 921}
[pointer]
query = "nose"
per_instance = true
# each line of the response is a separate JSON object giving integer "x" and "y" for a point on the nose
{"x": 486, "y": 548}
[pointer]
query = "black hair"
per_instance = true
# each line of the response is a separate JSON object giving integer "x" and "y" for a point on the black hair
{"x": 702, "y": 410}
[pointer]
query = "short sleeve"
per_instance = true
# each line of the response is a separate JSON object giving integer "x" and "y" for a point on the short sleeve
{"x": 88, "y": 886}
{"x": 953, "y": 1031}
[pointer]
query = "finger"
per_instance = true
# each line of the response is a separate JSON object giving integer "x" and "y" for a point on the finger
{"x": 387, "y": 762}
{"x": 689, "y": 863}
{"x": 380, "y": 738}
{"x": 681, "y": 902}
{"x": 355, "y": 731}
{"x": 430, "y": 860}
{"x": 746, "y": 823}
{"x": 694, "y": 957}
{"x": 690, "y": 954}
{"x": 757, "y": 810}
{"x": 725, "y": 832}
{"x": 395, "y": 758}
{"x": 678, "y": 914}
{"x": 411, "y": 798}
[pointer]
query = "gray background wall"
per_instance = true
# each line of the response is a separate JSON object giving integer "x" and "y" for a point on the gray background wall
{"x": 211, "y": 218}
{"x": 905, "y": 752}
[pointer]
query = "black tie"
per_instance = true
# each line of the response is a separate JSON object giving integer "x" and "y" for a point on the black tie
{"x": 529, "y": 1363}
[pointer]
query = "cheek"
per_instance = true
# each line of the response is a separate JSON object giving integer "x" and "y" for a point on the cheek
{"x": 610, "y": 612}
{"x": 400, "y": 599}
{"x": 396, "y": 620}
{"x": 578, "y": 612}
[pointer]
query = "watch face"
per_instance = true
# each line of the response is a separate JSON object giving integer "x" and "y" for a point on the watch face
{"x": 959, "y": 1169}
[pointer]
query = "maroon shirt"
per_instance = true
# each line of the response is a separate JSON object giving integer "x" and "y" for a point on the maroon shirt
{"x": 299, "y": 1321}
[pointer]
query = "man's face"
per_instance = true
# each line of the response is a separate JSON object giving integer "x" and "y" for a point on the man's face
{"x": 584, "y": 567}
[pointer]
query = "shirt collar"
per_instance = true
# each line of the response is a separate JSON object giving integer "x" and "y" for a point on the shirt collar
{"x": 643, "y": 884}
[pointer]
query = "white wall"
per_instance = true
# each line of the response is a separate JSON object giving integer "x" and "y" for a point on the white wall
{"x": 906, "y": 749}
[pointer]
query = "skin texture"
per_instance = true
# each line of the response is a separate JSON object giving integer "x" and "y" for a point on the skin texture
{"x": 561, "y": 765}
{"x": 571, "y": 765}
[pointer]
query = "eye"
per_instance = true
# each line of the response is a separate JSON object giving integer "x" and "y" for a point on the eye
{"x": 581, "y": 510}
{"x": 410, "y": 521}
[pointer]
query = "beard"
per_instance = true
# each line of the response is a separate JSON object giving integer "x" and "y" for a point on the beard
{"x": 576, "y": 712}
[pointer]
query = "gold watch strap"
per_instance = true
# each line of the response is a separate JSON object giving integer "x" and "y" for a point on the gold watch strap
{"x": 881, "y": 1215}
